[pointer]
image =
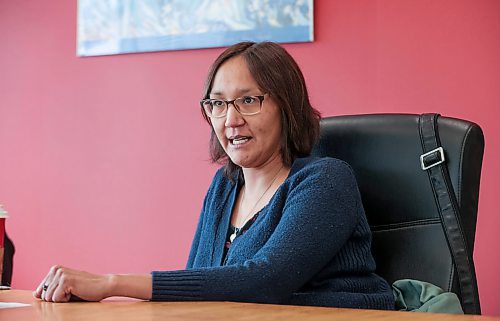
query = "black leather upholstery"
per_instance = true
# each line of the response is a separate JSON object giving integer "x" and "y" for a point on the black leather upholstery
{"x": 384, "y": 151}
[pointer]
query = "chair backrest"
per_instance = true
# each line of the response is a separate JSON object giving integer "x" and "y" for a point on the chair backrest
{"x": 384, "y": 151}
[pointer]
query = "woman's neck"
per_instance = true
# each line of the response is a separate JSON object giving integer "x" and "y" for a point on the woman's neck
{"x": 260, "y": 185}
{"x": 260, "y": 178}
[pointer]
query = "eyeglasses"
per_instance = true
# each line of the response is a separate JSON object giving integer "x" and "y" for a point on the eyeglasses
{"x": 246, "y": 105}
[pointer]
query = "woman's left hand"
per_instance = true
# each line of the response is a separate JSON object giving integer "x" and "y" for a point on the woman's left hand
{"x": 61, "y": 282}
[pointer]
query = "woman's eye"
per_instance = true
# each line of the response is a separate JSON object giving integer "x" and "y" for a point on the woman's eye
{"x": 217, "y": 103}
{"x": 248, "y": 100}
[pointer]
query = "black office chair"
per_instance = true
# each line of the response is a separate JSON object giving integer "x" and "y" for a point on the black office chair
{"x": 409, "y": 239}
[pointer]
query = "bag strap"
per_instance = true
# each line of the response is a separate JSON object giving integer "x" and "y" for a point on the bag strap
{"x": 433, "y": 162}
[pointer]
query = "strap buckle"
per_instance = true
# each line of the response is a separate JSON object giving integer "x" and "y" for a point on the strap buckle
{"x": 432, "y": 158}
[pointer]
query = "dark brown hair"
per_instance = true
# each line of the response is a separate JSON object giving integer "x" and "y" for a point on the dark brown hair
{"x": 277, "y": 74}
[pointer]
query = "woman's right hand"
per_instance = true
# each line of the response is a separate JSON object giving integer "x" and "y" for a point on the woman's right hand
{"x": 62, "y": 282}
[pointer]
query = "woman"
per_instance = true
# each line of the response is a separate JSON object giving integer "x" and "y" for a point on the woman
{"x": 276, "y": 226}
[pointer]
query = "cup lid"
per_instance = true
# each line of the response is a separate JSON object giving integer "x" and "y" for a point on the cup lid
{"x": 3, "y": 213}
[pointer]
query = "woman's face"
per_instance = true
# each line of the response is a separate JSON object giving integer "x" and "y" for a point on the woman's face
{"x": 249, "y": 141}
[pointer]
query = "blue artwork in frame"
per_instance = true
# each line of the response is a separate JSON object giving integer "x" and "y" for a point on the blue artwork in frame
{"x": 107, "y": 27}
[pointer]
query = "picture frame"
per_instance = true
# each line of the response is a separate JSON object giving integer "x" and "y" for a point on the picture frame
{"x": 107, "y": 27}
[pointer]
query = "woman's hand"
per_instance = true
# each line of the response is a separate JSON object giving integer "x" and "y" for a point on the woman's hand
{"x": 61, "y": 282}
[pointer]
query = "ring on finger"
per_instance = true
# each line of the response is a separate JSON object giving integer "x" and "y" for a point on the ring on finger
{"x": 45, "y": 287}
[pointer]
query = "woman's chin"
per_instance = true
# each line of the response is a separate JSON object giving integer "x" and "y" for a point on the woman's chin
{"x": 241, "y": 162}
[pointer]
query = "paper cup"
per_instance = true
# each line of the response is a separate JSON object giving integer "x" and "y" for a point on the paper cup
{"x": 3, "y": 216}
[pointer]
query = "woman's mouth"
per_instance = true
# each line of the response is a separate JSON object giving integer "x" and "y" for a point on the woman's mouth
{"x": 239, "y": 140}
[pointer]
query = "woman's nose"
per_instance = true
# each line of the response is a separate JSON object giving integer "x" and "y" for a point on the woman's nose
{"x": 233, "y": 117}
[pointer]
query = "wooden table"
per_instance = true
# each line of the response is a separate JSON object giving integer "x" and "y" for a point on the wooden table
{"x": 125, "y": 309}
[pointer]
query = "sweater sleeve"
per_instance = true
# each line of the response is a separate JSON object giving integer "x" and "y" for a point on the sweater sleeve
{"x": 321, "y": 211}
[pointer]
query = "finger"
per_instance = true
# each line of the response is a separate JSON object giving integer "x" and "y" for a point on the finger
{"x": 61, "y": 293}
{"x": 43, "y": 286}
{"x": 39, "y": 290}
{"x": 52, "y": 286}
{"x": 49, "y": 280}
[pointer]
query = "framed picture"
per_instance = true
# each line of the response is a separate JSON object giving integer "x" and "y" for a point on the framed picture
{"x": 107, "y": 27}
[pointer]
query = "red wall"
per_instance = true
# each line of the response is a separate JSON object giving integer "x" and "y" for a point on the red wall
{"x": 103, "y": 160}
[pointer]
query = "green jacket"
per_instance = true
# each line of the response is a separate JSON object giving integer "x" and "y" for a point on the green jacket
{"x": 419, "y": 296}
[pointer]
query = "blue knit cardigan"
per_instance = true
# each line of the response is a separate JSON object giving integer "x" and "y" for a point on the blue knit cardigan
{"x": 310, "y": 245}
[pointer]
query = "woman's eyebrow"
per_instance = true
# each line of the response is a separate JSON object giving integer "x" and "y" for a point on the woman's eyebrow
{"x": 240, "y": 92}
